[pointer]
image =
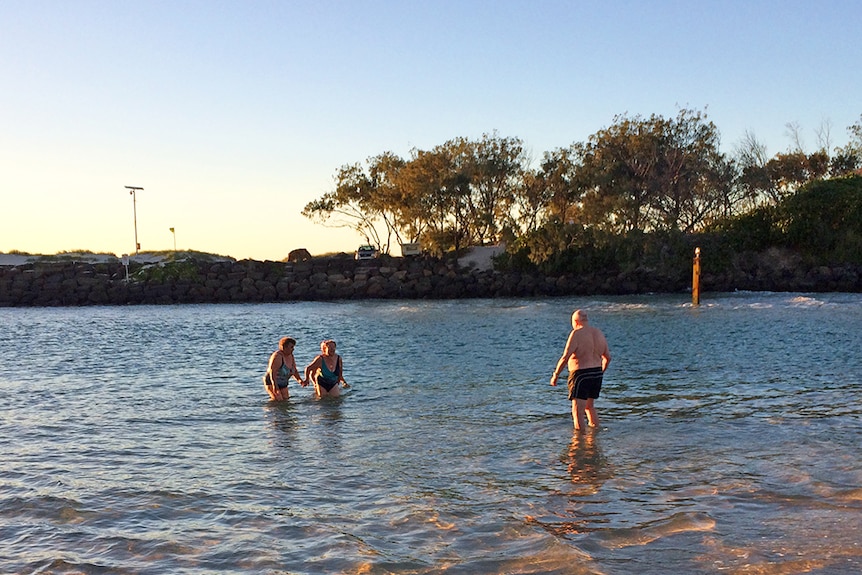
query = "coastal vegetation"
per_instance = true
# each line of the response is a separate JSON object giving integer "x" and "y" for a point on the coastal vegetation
{"x": 809, "y": 241}
{"x": 618, "y": 214}
{"x": 639, "y": 193}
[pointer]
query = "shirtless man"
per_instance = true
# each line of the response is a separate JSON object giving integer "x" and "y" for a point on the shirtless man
{"x": 588, "y": 357}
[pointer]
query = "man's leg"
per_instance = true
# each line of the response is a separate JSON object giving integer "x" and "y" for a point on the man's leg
{"x": 592, "y": 414}
{"x": 578, "y": 407}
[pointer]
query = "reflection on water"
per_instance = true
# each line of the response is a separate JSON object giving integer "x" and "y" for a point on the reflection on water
{"x": 588, "y": 470}
{"x": 284, "y": 420}
{"x": 588, "y": 467}
{"x": 654, "y": 530}
{"x": 729, "y": 442}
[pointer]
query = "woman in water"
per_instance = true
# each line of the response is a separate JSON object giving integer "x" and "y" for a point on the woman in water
{"x": 325, "y": 371}
{"x": 281, "y": 367}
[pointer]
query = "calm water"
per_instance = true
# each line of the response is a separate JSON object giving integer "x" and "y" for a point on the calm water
{"x": 140, "y": 440}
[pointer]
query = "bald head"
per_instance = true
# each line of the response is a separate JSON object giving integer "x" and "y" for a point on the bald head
{"x": 579, "y": 318}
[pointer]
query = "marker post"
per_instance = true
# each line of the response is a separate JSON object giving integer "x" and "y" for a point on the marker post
{"x": 695, "y": 278}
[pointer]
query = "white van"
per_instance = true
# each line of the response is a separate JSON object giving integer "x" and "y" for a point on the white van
{"x": 409, "y": 250}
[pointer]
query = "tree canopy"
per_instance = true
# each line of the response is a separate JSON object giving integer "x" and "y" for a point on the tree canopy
{"x": 639, "y": 175}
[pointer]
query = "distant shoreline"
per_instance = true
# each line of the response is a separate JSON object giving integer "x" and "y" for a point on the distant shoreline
{"x": 479, "y": 257}
{"x": 91, "y": 258}
{"x": 158, "y": 280}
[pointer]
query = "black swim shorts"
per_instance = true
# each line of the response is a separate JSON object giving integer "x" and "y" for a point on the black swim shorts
{"x": 585, "y": 383}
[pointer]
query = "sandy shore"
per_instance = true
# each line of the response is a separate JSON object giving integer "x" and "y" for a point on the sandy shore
{"x": 479, "y": 257}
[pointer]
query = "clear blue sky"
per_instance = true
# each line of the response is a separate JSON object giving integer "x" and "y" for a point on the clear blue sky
{"x": 233, "y": 115}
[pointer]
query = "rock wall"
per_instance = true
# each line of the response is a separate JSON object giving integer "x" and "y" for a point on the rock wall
{"x": 191, "y": 281}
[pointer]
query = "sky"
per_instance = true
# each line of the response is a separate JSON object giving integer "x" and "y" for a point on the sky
{"x": 233, "y": 115}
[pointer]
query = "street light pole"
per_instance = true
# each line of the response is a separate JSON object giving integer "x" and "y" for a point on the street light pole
{"x": 132, "y": 190}
{"x": 173, "y": 231}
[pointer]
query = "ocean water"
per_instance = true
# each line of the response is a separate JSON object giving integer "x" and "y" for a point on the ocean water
{"x": 139, "y": 440}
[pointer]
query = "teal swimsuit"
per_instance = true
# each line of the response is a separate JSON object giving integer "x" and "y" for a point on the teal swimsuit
{"x": 327, "y": 379}
{"x": 282, "y": 376}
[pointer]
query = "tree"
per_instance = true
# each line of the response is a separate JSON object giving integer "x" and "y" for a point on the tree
{"x": 557, "y": 185}
{"x": 691, "y": 173}
{"x": 788, "y": 172}
{"x": 824, "y": 219}
{"x": 794, "y": 131}
{"x": 470, "y": 190}
{"x": 654, "y": 174}
{"x": 366, "y": 201}
{"x": 496, "y": 166}
{"x": 752, "y": 178}
{"x": 615, "y": 167}
{"x": 531, "y": 201}
{"x": 824, "y": 136}
{"x": 856, "y": 133}
{"x": 638, "y": 175}
{"x": 849, "y": 158}
{"x": 437, "y": 189}
{"x": 388, "y": 199}
{"x": 349, "y": 205}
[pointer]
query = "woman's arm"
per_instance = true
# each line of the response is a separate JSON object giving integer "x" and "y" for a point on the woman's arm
{"x": 340, "y": 370}
{"x": 269, "y": 377}
{"x": 312, "y": 367}
{"x": 270, "y": 367}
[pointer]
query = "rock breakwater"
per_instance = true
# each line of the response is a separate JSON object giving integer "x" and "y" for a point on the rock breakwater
{"x": 195, "y": 281}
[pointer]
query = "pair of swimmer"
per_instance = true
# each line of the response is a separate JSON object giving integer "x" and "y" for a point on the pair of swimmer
{"x": 324, "y": 372}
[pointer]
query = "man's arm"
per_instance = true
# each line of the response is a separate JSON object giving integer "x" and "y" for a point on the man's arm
{"x": 563, "y": 359}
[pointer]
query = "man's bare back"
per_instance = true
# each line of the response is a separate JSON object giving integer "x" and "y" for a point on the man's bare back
{"x": 587, "y": 347}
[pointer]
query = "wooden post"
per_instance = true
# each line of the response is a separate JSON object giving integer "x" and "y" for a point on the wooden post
{"x": 695, "y": 278}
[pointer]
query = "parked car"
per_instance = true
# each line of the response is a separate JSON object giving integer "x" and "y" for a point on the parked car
{"x": 366, "y": 253}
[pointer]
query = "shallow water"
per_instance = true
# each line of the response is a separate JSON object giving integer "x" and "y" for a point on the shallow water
{"x": 140, "y": 440}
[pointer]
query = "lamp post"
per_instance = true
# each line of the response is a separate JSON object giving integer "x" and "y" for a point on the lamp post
{"x": 173, "y": 231}
{"x": 132, "y": 190}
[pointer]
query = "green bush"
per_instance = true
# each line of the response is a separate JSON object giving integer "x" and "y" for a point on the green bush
{"x": 823, "y": 220}
{"x": 166, "y": 271}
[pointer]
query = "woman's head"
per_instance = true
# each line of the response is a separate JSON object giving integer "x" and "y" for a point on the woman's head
{"x": 327, "y": 346}
{"x": 286, "y": 342}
